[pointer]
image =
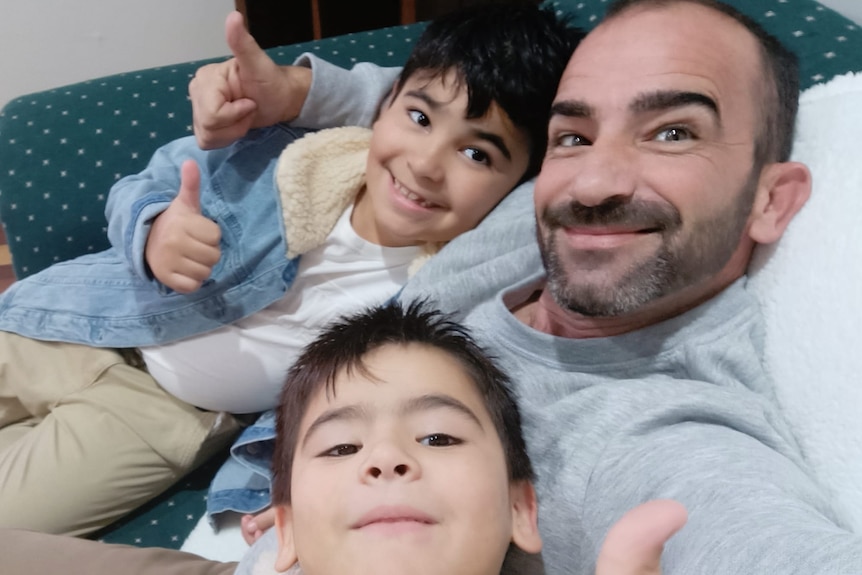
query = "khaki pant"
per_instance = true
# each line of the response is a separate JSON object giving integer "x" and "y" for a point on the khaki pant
{"x": 85, "y": 438}
{"x": 29, "y": 553}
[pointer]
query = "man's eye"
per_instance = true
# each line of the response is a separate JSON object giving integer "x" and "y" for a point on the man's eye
{"x": 439, "y": 440}
{"x": 676, "y": 134}
{"x": 477, "y": 155}
{"x": 572, "y": 140}
{"x": 419, "y": 118}
{"x": 341, "y": 450}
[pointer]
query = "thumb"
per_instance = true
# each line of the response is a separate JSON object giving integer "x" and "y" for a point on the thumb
{"x": 242, "y": 44}
{"x": 634, "y": 544}
{"x": 190, "y": 186}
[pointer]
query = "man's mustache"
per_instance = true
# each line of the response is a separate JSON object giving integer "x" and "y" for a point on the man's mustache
{"x": 639, "y": 215}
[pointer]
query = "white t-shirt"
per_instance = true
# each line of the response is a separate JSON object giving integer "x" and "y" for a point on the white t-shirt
{"x": 241, "y": 367}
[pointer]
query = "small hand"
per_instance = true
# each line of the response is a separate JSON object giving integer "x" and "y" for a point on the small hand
{"x": 254, "y": 526}
{"x": 634, "y": 544}
{"x": 183, "y": 245}
{"x": 247, "y": 91}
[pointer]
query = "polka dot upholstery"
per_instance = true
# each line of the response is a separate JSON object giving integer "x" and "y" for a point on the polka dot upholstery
{"x": 62, "y": 149}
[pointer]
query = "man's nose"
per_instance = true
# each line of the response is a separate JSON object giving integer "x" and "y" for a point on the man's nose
{"x": 602, "y": 174}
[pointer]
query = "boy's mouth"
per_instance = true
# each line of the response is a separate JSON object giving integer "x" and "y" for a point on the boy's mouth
{"x": 413, "y": 196}
{"x": 394, "y": 515}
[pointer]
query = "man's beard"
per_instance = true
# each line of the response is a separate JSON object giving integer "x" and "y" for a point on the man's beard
{"x": 680, "y": 261}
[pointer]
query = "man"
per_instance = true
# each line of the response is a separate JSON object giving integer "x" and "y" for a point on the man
{"x": 635, "y": 349}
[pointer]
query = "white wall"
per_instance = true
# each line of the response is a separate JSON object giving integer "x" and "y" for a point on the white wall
{"x": 850, "y": 8}
{"x": 49, "y": 43}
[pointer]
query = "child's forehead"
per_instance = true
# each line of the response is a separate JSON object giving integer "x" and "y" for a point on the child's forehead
{"x": 400, "y": 369}
{"x": 449, "y": 79}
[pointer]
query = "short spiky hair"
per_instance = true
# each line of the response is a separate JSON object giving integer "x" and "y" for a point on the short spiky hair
{"x": 780, "y": 73}
{"x": 511, "y": 54}
{"x": 343, "y": 346}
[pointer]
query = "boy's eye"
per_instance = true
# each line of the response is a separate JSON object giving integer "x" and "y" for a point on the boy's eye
{"x": 341, "y": 450}
{"x": 419, "y": 118}
{"x": 572, "y": 140}
{"x": 439, "y": 440}
{"x": 674, "y": 134}
{"x": 477, "y": 155}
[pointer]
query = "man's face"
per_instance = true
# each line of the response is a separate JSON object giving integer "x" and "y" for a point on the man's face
{"x": 649, "y": 181}
{"x": 401, "y": 473}
{"x": 433, "y": 174}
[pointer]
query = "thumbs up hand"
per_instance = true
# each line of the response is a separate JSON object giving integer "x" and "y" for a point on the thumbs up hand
{"x": 634, "y": 544}
{"x": 247, "y": 91}
{"x": 183, "y": 245}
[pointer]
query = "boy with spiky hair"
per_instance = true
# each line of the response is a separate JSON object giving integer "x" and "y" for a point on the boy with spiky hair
{"x": 399, "y": 450}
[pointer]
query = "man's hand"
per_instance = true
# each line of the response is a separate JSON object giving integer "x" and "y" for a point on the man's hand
{"x": 247, "y": 91}
{"x": 633, "y": 546}
{"x": 183, "y": 245}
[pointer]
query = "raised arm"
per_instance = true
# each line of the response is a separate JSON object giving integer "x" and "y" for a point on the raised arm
{"x": 251, "y": 91}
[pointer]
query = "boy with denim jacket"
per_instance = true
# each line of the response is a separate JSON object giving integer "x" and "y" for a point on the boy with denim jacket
{"x": 197, "y": 277}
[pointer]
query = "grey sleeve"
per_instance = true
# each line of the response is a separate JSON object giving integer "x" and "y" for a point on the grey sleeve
{"x": 751, "y": 508}
{"x": 340, "y": 97}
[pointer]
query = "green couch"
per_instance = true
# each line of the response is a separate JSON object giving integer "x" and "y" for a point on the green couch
{"x": 62, "y": 149}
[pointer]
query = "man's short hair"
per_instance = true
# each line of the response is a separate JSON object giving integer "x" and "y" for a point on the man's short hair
{"x": 511, "y": 54}
{"x": 781, "y": 79}
{"x": 342, "y": 348}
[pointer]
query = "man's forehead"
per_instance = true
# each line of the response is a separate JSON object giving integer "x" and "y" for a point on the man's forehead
{"x": 683, "y": 46}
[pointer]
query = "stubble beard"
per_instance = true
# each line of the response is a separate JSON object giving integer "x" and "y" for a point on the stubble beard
{"x": 682, "y": 260}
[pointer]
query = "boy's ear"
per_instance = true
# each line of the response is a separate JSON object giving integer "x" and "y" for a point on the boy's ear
{"x": 525, "y": 517}
{"x": 782, "y": 191}
{"x": 284, "y": 531}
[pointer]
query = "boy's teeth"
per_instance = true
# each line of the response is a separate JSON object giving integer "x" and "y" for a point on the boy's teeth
{"x": 413, "y": 196}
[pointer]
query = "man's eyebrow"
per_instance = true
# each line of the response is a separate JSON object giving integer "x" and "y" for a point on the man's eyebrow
{"x": 348, "y": 412}
{"x": 438, "y": 401}
{"x": 571, "y": 109}
{"x": 667, "y": 100}
{"x": 494, "y": 139}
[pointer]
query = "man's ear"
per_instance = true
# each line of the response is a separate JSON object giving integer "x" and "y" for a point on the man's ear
{"x": 284, "y": 531}
{"x": 525, "y": 517}
{"x": 782, "y": 191}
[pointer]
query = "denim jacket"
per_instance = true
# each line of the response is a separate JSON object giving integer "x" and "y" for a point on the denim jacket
{"x": 110, "y": 299}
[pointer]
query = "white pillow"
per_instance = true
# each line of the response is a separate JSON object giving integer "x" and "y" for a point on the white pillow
{"x": 810, "y": 286}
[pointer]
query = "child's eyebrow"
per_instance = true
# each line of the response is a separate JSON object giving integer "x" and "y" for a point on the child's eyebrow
{"x": 437, "y": 401}
{"x": 337, "y": 414}
{"x": 494, "y": 139}
{"x": 417, "y": 404}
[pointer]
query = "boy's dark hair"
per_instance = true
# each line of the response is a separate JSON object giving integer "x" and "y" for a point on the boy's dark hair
{"x": 780, "y": 79}
{"x": 513, "y": 54}
{"x": 345, "y": 344}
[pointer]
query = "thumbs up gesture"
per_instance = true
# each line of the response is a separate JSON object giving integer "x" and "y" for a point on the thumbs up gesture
{"x": 247, "y": 91}
{"x": 634, "y": 544}
{"x": 183, "y": 245}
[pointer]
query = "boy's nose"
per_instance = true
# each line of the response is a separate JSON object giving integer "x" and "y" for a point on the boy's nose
{"x": 427, "y": 163}
{"x": 389, "y": 461}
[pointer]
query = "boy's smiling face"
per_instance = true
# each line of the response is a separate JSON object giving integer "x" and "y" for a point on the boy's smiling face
{"x": 402, "y": 471}
{"x": 432, "y": 173}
